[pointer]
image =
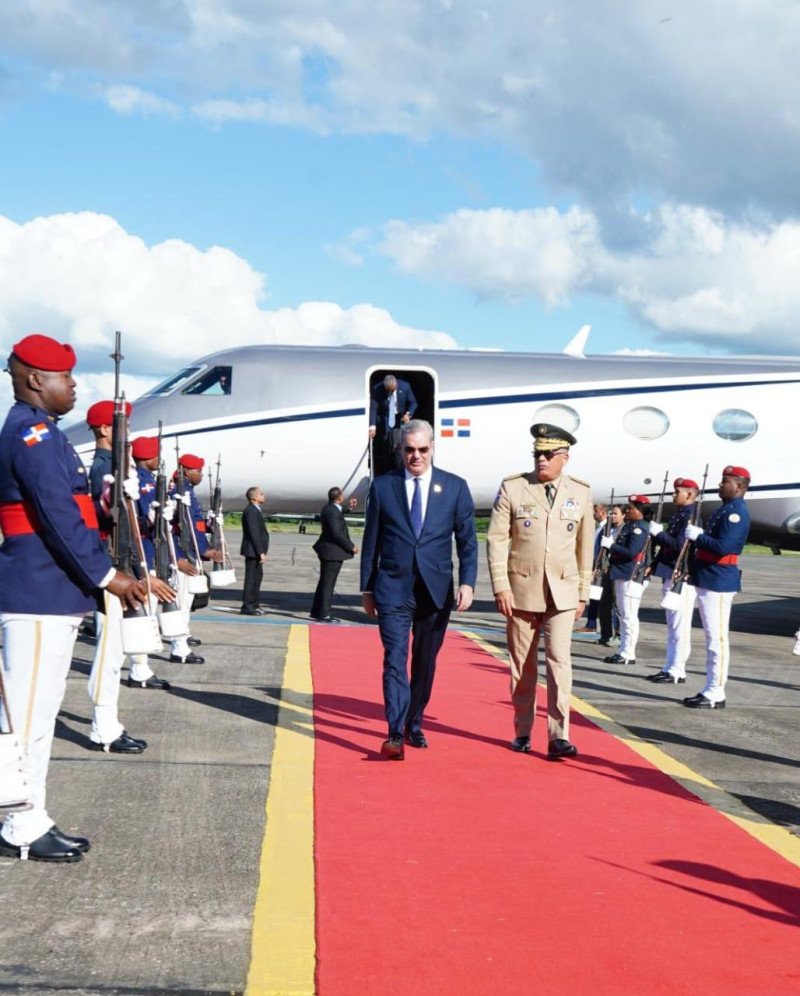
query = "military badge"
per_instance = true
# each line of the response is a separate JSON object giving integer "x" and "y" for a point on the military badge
{"x": 735, "y": 517}
{"x": 527, "y": 523}
{"x": 570, "y": 526}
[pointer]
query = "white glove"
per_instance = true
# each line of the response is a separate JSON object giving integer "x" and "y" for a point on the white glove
{"x": 130, "y": 488}
{"x": 606, "y": 542}
{"x": 169, "y": 510}
{"x": 656, "y": 528}
{"x": 151, "y": 512}
{"x": 105, "y": 494}
{"x": 692, "y": 532}
{"x": 186, "y": 499}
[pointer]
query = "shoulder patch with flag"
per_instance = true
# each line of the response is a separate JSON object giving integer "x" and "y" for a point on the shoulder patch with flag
{"x": 36, "y": 434}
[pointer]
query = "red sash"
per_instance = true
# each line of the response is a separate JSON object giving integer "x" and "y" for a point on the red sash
{"x": 19, "y": 518}
{"x": 714, "y": 558}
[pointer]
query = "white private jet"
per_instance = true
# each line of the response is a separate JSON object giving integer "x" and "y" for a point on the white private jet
{"x": 293, "y": 420}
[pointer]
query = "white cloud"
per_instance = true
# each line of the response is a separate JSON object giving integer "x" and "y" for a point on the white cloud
{"x": 132, "y": 100}
{"x": 609, "y": 100}
{"x": 693, "y": 276}
{"x": 78, "y": 277}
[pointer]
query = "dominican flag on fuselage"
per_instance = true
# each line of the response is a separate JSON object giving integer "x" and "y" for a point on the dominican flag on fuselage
{"x": 453, "y": 427}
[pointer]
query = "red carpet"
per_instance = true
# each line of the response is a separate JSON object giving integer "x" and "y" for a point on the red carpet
{"x": 467, "y": 869}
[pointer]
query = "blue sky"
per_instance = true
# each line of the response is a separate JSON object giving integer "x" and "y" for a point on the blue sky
{"x": 420, "y": 173}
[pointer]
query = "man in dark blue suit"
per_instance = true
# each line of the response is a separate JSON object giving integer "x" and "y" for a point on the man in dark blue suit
{"x": 407, "y": 575}
{"x": 392, "y": 403}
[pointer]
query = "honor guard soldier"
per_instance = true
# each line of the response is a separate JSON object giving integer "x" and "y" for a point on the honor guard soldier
{"x": 108, "y": 733}
{"x": 626, "y": 553}
{"x": 715, "y": 573}
{"x": 679, "y": 620}
{"x": 540, "y": 544}
{"x": 180, "y": 651}
{"x": 52, "y": 567}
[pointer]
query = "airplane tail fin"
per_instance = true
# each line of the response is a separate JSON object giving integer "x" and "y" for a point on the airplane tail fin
{"x": 576, "y": 345}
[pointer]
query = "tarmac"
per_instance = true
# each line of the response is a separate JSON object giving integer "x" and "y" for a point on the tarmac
{"x": 163, "y": 903}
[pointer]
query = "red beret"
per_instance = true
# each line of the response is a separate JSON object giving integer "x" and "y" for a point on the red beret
{"x": 191, "y": 462}
{"x": 736, "y": 472}
{"x": 44, "y": 353}
{"x": 145, "y": 448}
{"x": 685, "y": 482}
{"x": 102, "y": 413}
{"x": 639, "y": 499}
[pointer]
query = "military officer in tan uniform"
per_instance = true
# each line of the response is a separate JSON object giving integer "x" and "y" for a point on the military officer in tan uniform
{"x": 540, "y": 545}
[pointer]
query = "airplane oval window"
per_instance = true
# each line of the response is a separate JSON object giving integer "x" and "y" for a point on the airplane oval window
{"x": 561, "y": 415}
{"x": 645, "y": 422}
{"x": 735, "y": 424}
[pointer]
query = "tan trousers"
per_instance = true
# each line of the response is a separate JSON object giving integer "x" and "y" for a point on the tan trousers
{"x": 522, "y": 632}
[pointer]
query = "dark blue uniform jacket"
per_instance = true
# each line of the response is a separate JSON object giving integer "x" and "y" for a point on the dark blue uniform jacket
{"x": 147, "y": 494}
{"x": 670, "y": 542}
{"x": 56, "y": 569}
{"x": 627, "y": 550}
{"x": 714, "y": 560}
{"x": 198, "y": 518}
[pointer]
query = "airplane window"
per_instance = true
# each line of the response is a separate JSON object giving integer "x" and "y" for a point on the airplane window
{"x": 214, "y": 381}
{"x": 735, "y": 424}
{"x": 645, "y": 422}
{"x": 169, "y": 385}
{"x": 561, "y": 415}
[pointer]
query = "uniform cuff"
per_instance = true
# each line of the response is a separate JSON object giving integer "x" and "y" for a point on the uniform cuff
{"x": 108, "y": 578}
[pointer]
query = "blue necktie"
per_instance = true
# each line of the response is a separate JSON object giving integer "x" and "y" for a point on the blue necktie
{"x": 416, "y": 508}
{"x": 392, "y": 409}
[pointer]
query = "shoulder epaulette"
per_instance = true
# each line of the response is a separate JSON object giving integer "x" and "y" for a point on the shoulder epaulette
{"x": 513, "y": 477}
{"x": 577, "y": 480}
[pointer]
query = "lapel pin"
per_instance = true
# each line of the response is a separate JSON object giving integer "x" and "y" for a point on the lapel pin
{"x": 437, "y": 488}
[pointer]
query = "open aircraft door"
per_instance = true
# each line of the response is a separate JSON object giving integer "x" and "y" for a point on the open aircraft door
{"x": 423, "y": 383}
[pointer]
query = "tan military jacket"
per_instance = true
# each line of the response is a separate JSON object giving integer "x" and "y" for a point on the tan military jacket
{"x": 528, "y": 541}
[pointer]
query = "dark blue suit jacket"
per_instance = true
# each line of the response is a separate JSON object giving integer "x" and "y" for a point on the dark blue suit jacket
{"x": 392, "y": 558}
{"x": 379, "y": 404}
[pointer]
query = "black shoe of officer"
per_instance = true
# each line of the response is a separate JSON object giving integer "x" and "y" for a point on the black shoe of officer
{"x": 188, "y": 659}
{"x": 665, "y": 678}
{"x": 81, "y": 843}
{"x": 194, "y": 642}
{"x": 560, "y": 750}
{"x": 520, "y": 744}
{"x": 49, "y": 847}
{"x": 124, "y": 744}
{"x": 152, "y": 682}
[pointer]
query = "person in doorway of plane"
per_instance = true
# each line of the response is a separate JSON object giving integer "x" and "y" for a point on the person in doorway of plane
{"x": 392, "y": 404}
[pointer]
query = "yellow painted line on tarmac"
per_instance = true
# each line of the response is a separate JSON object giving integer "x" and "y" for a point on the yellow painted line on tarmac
{"x": 776, "y": 838}
{"x": 283, "y": 951}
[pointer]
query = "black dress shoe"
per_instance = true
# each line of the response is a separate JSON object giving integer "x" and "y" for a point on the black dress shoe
{"x": 604, "y": 643}
{"x": 194, "y": 642}
{"x": 81, "y": 843}
{"x": 393, "y": 748}
{"x": 559, "y": 750}
{"x": 49, "y": 847}
{"x": 152, "y": 682}
{"x": 124, "y": 744}
{"x": 521, "y": 744}
{"x": 619, "y": 659}
{"x": 250, "y": 612}
{"x": 416, "y": 738}
{"x": 665, "y": 678}
{"x": 700, "y": 701}
{"x": 188, "y": 659}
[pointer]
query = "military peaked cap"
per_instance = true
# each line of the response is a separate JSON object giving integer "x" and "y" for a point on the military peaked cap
{"x": 551, "y": 437}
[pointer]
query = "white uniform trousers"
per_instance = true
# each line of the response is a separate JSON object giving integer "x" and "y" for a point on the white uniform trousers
{"x": 679, "y": 629}
{"x": 715, "y": 613}
{"x": 37, "y": 653}
{"x": 179, "y": 647}
{"x": 104, "y": 679}
{"x": 628, "y": 608}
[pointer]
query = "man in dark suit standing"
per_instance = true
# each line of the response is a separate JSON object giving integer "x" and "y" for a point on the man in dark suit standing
{"x": 407, "y": 575}
{"x": 255, "y": 544}
{"x": 392, "y": 404}
{"x": 333, "y": 547}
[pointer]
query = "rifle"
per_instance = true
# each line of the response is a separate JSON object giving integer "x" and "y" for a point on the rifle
{"x": 680, "y": 574}
{"x": 639, "y": 570}
{"x": 166, "y": 561}
{"x": 222, "y": 572}
{"x": 601, "y": 560}
{"x": 140, "y": 633}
